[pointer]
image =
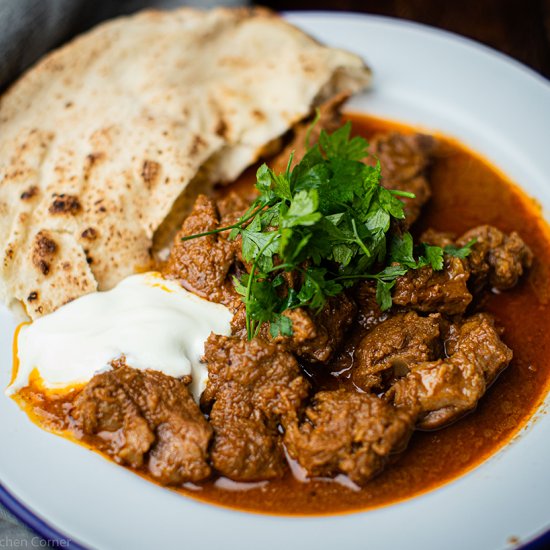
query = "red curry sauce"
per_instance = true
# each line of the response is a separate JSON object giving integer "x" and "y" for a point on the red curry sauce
{"x": 467, "y": 191}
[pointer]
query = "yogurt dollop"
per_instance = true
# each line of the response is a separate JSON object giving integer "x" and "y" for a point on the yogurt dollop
{"x": 155, "y": 323}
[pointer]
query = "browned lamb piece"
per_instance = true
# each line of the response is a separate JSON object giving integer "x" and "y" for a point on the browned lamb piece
{"x": 317, "y": 336}
{"x": 442, "y": 391}
{"x": 146, "y": 419}
{"x": 231, "y": 207}
{"x": 426, "y": 290}
{"x": 201, "y": 265}
{"x": 438, "y": 238}
{"x": 253, "y": 388}
{"x": 496, "y": 260}
{"x": 369, "y": 313}
{"x": 392, "y": 346}
{"x": 404, "y": 160}
{"x": 346, "y": 432}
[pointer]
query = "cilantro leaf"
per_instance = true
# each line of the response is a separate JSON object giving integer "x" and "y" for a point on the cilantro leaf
{"x": 263, "y": 179}
{"x": 303, "y": 209}
{"x": 280, "y": 324}
{"x": 259, "y": 245}
{"x": 339, "y": 145}
{"x": 315, "y": 288}
{"x": 391, "y": 204}
{"x": 434, "y": 256}
{"x": 401, "y": 250}
{"x": 461, "y": 253}
{"x": 383, "y": 294}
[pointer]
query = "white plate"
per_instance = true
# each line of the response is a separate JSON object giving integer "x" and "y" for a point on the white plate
{"x": 422, "y": 76}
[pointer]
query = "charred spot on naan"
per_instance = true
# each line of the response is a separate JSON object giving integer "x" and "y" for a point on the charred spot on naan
{"x": 150, "y": 173}
{"x": 30, "y": 193}
{"x": 90, "y": 234}
{"x": 43, "y": 251}
{"x": 65, "y": 204}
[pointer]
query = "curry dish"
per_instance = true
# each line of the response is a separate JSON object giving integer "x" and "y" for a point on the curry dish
{"x": 360, "y": 402}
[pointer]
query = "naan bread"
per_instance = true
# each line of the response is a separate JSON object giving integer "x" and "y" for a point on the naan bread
{"x": 99, "y": 140}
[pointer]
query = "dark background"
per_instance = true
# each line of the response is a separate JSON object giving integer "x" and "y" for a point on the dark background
{"x": 519, "y": 28}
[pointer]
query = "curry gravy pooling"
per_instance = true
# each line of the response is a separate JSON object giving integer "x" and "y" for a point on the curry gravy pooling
{"x": 467, "y": 191}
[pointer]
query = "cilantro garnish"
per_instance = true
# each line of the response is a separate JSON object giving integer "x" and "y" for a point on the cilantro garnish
{"x": 327, "y": 222}
{"x": 461, "y": 253}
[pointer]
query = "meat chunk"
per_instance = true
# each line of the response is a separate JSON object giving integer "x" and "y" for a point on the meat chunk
{"x": 146, "y": 419}
{"x": 201, "y": 265}
{"x": 441, "y": 391}
{"x": 404, "y": 160}
{"x": 231, "y": 207}
{"x": 349, "y": 433}
{"x": 312, "y": 339}
{"x": 253, "y": 388}
{"x": 428, "y": 291}
{"x": 317, "y": 336}
{"x": 369, "y": 312}
{"x": 497, "y": 259}
{"x": 247, "y": 444}
{"x": 438, "y": 238}
{"x": 402, "y": 340}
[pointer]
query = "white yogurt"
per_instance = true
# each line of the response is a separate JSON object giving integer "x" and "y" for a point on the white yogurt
{"x": 153, "y": 322}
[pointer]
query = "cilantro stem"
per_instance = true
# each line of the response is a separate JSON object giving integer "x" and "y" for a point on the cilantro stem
{"x": 236, "y": 225}
{"x": 406, "y": 194}
{"x": 251, "y": 331}
{"x": 311, "y": 126}
{"x": 376, "y": 276}
{"x": 356, "y": 277}
{"x": 358, "y": 239}
{"x": 281, "y": 266}
{"x": 289, "y": 165}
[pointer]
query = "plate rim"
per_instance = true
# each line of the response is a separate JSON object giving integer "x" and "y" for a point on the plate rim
{"x": 466, "y": 41}
{"x": 44, "y": 529}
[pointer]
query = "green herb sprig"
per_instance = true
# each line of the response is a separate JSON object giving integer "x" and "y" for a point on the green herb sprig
{"x": 327, "y": 222}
